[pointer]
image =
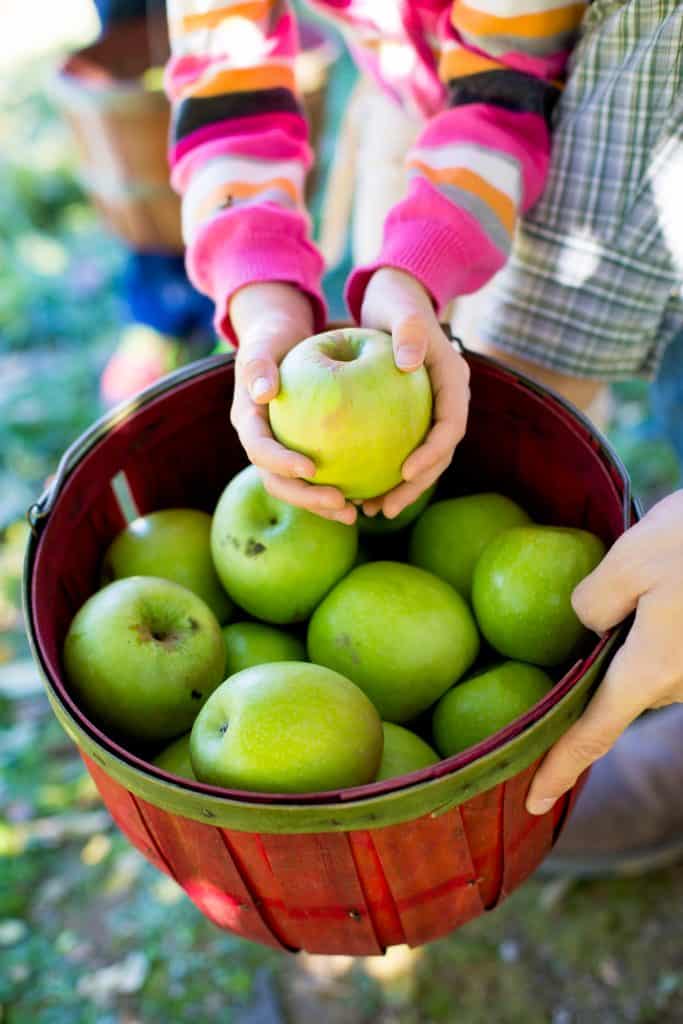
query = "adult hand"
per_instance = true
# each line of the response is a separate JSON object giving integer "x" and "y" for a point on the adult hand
{"x": 642, "y": 572}
{"x": 397, "y": 303}
{"x": 270, "y": 319}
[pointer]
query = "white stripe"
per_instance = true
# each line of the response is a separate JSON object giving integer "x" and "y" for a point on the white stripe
{"x": 385, "y": 15}
{"x": 502, "y": 171}
{"x": 240, "y": 38}
{"x": 224, "y": 169}
{"x": 178, "y": 9}
{"x": 514, "y": 8}
{"x": 247, "y": 169}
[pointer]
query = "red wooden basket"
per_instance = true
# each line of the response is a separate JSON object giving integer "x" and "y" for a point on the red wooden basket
{"x": 354, "y": 871}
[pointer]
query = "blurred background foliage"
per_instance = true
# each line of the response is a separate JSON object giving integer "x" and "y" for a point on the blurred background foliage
{"x": 88, "y": 931}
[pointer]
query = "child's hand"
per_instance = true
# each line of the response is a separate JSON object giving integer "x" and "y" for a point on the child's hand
{"x": 395, "y": 302}
{"x": 270, "y": 319}
{"x": 643, "y": 571}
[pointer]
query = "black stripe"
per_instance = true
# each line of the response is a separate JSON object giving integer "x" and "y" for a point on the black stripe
{"x": 196, "y": 112}
{"x": 512, "y": 90}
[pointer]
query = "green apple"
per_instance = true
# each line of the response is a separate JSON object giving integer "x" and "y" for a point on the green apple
{"x": 287, "y": 727}
{"x": 522, "y": 587}
{"x": 174, "y": 543}
{"x": 481, "y": 705}
{"x": 343, "y": 402}
{"x": 450, "y": 535}
{"x": 142, "y": 655}
{"x": 403, "y": 752}
{"x": 253, "y": 643}
{"x": 275, "y": 560}
{"x": 403, "y": 635}
{"x": 176, "y": 758}
{"x": 379, "y": 524}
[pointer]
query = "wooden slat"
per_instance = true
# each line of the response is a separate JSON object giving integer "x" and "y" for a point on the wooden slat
{"x": 125, "y": 813}
{"x": 379, "y": 900}
{"x": 430, "y": 873}
{"x": 482, "y": 819}
{"x": 324, "y": 905}
{"x": 203, "y": 866}
{"x": 527, "y": 838}
{"x": 249, "y": 854}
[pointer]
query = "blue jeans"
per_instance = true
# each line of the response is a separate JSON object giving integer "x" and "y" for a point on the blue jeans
{"x": 116, "y": 10}
{"x": 667, "y": 395}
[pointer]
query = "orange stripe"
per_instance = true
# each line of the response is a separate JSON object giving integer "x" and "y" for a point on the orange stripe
{"x": 242, "y": 190}
{"x": 502, "y": 205}
{"x": 267, "y": 76}
{"x": 457, "y": 62}
{"x": 529, "y": 26}
{"x": 254, "y": 10}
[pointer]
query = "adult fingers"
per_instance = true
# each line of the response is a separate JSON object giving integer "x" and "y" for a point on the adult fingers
{"x": 610, "y": 593}
{"x": 620, "y": 698}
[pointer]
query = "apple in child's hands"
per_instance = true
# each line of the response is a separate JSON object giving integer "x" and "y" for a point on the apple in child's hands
{"x": 403, "y": 752}
{"x": 522, "y": 588}
{"x": 142, "y": 655}
{"x": 450, "y": 535}
{"x": 287, "y": 727}
{"x": 400, "y": 633}
{"x": 253, "y": 643}
{"x": 276, "y": 560}
{"x": 344, "y": 403}
{"x": 176, "y": 758}
{"x": 174, "y": 543}
{"x": 486, "y": 702}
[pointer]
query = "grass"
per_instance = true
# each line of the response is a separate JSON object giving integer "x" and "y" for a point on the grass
{"x": 91, "y": 933}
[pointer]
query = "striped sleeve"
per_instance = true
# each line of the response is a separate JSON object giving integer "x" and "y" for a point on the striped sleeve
{"x": 483, "y": 159}
{"x": 239, "y": 149}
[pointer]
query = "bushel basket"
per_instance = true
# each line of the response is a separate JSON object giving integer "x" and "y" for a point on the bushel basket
{"x": 351, "y": 872}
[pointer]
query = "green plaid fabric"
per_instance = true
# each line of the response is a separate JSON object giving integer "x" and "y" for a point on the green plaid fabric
{"x": 594, "y": 285}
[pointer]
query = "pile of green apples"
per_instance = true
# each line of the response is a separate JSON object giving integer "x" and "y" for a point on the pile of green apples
{"x": 267, "y": 649}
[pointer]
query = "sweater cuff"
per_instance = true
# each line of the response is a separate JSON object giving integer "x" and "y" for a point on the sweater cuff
{"x": 435, "y": 254}
{"x": 257, "y": 246}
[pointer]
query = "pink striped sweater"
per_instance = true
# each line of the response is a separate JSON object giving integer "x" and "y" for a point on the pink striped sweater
{"x": 483, "y": 74}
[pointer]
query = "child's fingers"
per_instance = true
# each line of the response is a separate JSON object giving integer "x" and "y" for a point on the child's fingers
{"x": 259, "y": 374}
{"x": 406, "y": 493}
{"x": 393, "y": 502}
{"x": 438, "y": 447}
{"x": 372, "y": 506}
{"x": 251, "y": 423}
{"x": 450, "y": 378}
{"x": 323, "y": 501}
{"x": 410, "y": 337}
{"x": 449, "y": 375}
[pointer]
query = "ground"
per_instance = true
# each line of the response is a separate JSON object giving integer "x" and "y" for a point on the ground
{"x": 91, "y": 933}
